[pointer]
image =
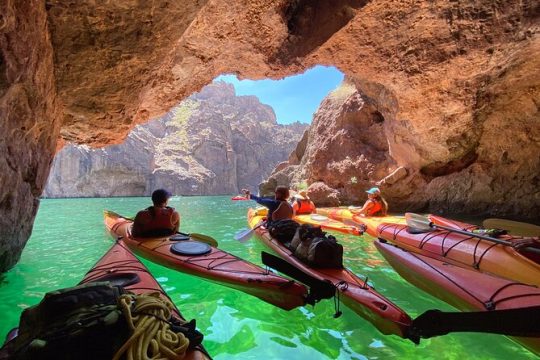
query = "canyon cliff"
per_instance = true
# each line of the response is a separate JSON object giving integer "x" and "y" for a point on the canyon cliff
{"x": 456, "y": 82}
{"x": 212, "y": 143}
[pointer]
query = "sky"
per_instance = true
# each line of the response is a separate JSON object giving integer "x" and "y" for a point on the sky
{"x": 294, "y": 98}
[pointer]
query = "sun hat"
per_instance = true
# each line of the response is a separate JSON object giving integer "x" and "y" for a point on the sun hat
{"x": 374, "y": 190}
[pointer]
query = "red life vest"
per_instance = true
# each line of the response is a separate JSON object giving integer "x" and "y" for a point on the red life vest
{"x": 303, "y": 206}
{"x": 160, "y": 221}
{"x": 375, "y": 209}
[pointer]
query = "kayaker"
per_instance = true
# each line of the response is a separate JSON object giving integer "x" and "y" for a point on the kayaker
{"x": 278, "y": 208}
{"x": 375, "y": 205}
{"x": 302, "y": 204}
{"x": 157, "y": 220}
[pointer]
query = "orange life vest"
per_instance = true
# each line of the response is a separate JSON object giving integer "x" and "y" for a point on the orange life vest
{"x": 375, "y": 209}
{"x": 303, "y": 206}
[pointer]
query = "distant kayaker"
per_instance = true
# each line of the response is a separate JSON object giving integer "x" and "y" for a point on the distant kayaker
{"x": 278, "y": 208}
{"x": 375, "y": 205}
{"x": 302, "y": 204}
{"x": 157, "y": 220}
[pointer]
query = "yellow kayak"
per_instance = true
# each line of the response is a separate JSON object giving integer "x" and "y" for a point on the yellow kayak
{"x": 371, "y": 223}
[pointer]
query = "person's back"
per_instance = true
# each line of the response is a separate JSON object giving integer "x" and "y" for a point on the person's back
{"x": 157, "y": 220}
{"x": 278, "y": 208}
{"x": 302, "y": 204}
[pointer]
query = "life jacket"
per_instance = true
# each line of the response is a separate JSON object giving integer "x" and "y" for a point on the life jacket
{"x": 303, "y": 206}
{"x": 376, "y": 209}
{"x": 160, "y": 223}
{"x": 283, "y": 211}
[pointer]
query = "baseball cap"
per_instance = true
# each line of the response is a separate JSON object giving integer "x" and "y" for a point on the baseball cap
{"x": 374, "y": 190}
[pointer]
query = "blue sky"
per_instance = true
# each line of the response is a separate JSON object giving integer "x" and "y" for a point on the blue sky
{"x": 294, "y": 98}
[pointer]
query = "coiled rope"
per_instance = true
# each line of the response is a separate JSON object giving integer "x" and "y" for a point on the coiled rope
{"x": 152, "y": 337}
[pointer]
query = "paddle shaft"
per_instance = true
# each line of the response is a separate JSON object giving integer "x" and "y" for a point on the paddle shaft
{"x": 511, "y": 322}
{"x": 488, "y": 238}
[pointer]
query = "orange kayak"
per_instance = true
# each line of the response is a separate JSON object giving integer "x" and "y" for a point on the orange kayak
{"x": 465, "y": 289}
{"x": 371, "y": 223}
{"x": 460, "y": 250}
{"x": 215, "y": 265}
{"x": 121, "y": 267}
{"x": 323, "y": 221}
{"x": 387, "y": 317}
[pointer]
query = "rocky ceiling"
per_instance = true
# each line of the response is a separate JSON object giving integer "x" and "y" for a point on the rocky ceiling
{"x": 456, "y": 81}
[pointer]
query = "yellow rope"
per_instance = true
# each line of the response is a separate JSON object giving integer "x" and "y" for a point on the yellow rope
{"x": 151, "y": 336}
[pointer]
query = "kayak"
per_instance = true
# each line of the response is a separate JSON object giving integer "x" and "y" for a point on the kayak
{"x": 213, "y": 264}
{"x": 465, "y": 289}
{"x": 354, "y": 292}
{"x": 463, "y": 250}
{"x": 460, "y": 250}
{"x": 371, "y": 223}
{"x": 120, "y": 267}
{"x": 236, "y": 198}
{"x": 324, "y": 222}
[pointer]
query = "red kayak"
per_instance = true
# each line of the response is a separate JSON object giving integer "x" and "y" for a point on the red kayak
{"x": 355, "y": 293}
{"x": 463, "y": 250}
{"x": 121, "y": 267}
{"x": 465, "y": 289}
{"x": 211, "y": 263}
{"x": 239, "y": 198}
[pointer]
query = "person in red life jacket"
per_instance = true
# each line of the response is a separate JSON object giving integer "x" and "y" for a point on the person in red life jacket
{"x": 302, "y": 204}
{"x": 375, "y": 205}
{"x": 278, "y": 208}
{"x": 157, "y": 220}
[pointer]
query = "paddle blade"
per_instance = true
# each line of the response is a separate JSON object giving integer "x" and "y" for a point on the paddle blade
{"x": 204, "y": 238}
{"x": 418, "y": 222}
{"x": 513, "y": 227}
{"x": 243, "y": 235}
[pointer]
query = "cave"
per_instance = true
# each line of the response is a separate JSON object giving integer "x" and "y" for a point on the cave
{"x": 446, "y": 79}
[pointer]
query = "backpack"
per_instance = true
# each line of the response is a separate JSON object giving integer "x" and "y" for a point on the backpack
{"x": 303, "y": 233}
{"x": 325, "y": 252}
{"x": 283, "y": 230}
{"x": 82, "y": 322}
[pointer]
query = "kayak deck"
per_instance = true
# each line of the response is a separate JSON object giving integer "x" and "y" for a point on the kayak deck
{"x": 217, "y": 266}
{"x": 465, "y": 289}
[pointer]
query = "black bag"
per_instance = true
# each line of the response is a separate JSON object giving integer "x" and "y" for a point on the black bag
{"x": 303, "y": 233}
{"x": 82, "y": 322}
{"x": 283, "y": 230}
{"x": 326, "y": 252}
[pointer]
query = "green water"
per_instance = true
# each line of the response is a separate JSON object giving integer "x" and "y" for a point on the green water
{"x": 69, "y": 237}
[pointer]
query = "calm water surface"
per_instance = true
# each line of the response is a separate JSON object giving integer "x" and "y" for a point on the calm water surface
{"x": 69, "y": 237}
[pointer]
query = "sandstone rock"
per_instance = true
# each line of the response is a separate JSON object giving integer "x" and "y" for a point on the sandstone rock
{"x": 449, "y": 80}
{"x": 214, "y": 142}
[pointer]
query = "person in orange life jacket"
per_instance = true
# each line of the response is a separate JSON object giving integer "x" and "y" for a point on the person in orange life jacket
{"x": 157, "y": 220}
{"x": 375, "y": 205}
{"x": 302, "y": 204}
{"x": 278, "y": 208}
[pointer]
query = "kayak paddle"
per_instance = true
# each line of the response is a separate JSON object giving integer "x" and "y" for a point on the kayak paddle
{"x": 245, "y": 234}
{"x": 420, "y": 223}
{"x": 513, "y": 227}
{"x": 319, "y": 289}
{"x": 512, "y": 322}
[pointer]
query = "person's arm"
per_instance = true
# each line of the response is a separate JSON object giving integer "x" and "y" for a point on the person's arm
{"x": 137, "y": 223}
{"x": 175, "y": 221}
{"x": 266, "y": 202}
{"x": 365, "y": 209}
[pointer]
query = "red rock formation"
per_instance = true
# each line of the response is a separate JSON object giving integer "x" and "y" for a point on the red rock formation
{"x": 450, "y": 79}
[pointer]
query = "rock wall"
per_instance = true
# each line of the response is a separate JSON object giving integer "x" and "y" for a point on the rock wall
{"x": 452, "y": 78}
{"x": 212, "y": 143}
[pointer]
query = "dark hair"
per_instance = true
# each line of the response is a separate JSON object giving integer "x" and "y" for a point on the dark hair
{"x": 282, "y": 193}
{"x": 160, "y": 196}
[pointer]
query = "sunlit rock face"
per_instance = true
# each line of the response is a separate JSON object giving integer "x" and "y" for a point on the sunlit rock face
{"x": 213, "y": 143}
{"x": 457, "y": 83}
